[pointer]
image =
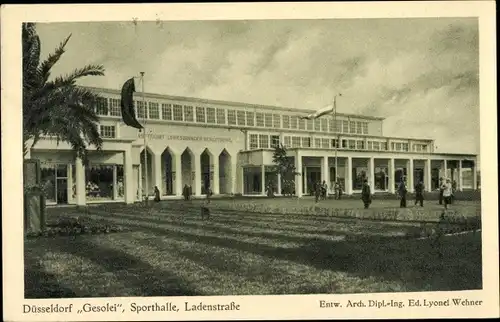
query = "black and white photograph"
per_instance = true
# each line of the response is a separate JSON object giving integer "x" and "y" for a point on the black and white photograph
{"x": 191, "y": 162}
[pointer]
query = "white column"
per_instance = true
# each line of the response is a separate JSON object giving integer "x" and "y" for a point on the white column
{"x": 115, "y": 182}
{"x": 70, "y": 183}
{"x": 278, "y": 178}
{"x": 236, "y": 176}
{"x": 428, "y": 175}
{"x": 197, "y": 175}
{"x": 303, "y": 179}
{"x": 325, "y": 171}
{"x": 157, "y": 159}
{"x": 140, "y": 188}
{"x": 348, "y": 177}
{"x": 371, "y": 170}
{"x": 81, "y": 192}
{"x": 392, "y": 178}
{"x": 298, "y": 178}
{"x": 445, "y": 169}
{"x": 177, "y": 169}
{"x": 128, "y": 177}
{"x": 411, "y": 186}
{"x": 215, "y": 188}
{"x": 263, "y": 180}
{"x": 460, "y": 183}
{"x": 474, "y": 176}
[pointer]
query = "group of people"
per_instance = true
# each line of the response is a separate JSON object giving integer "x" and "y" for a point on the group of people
{"x": 445, "y": 193}
{"x": 321, "y": 190}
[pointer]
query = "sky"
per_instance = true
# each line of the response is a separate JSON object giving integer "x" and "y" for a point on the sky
{"x": 421, "y": 74}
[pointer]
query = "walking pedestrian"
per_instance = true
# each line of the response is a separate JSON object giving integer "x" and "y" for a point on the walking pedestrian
{"x": 402, "y": 193}
{"x": 324, "y": 190}
{"x": 366, "y": 195}
{"x": 317, "y": 191}
{"x": 441, "y": 182}
{"x": 447, "y": 191}
{"x": 419, "y": 193}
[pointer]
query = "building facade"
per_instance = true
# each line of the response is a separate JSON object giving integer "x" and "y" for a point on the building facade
{"x": 229, "y": 146}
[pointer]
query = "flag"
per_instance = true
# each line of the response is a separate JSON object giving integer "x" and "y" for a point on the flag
{"x": 127, "y": 104}
{"x": 325, "y": 110}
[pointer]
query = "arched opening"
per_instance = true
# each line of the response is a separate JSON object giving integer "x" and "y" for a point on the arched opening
{"x": 187, "y": 169}
{"x": 207, "y": 171}
{"x": 149, "y": 186}
{"x": 225, "y": 182}
{"x": 168, "y": 172}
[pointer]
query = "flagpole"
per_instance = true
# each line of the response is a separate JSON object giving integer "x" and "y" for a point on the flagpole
{"x": 337, "y": 135}
{"x": 146, "y": 188}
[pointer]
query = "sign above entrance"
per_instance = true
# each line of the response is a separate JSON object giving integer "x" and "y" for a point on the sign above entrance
{"x": 184, "y": 138}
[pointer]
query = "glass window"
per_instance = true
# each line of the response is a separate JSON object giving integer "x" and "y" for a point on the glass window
{"x": 324, "y": 125}
{"x": 352, "y": 127}
{"x": 369, "y": 145}
{"x": 154, "y": 111}
{"x": 376, "y": 145}
{"x": 200, "y": 114}
{"x": 317, "y": 124}
{"x": 302, "y": 124}
{"x": 141, "y": 109}
{"x": 177, "y": 112}
{"x": 360, "y": 144}
{"x": 325, "y": 143}
{"x": 359, "y": 127}
{"x": 286, "y": 121}
{"x": 331, "y": 125}
{"x": 310, "y": 125}
{"x": 365, "y": 127}
{"x": 352, "y": 144}
{"x": 188, "y": 114}
{"x": 221, "y": 116}
{"x": 295, "y": 141}
{"x": 99, "y": 182}
{"x": 241, "y": 118}
{"x": 293, "y": 122}
{"x": 108, "y": 131}
{"x": 166, "y": 111}
{"x": 115, "y": 108}
{"x": 338, "y": 126}
{"x": 383, "y": 146}
{"x": 259, "y": 119}
{"x": 405, "y": 147}
{"x": 48, "y": 181}
{"x": 264, "y": 141}
{"x": 250, "y": 119}
{"x": 231, "y": 117}
{"x": 254, "y": 144}
{"x": 317, "y": 142}
{"x": 102, "y": 106}
{"x": 306, "y": 142}
{"x": 335, "y": 143}
{"x": 398, "y": 146}
{"x": 275, "y": 141}
{"x": 276, "y": 120}
{"x": 287, "y": 141}
{"x": 344, "y": 144}
{"x": 345, "y": 126}
{"x": 268, "y": 120}
{"x": 210, "y": 115}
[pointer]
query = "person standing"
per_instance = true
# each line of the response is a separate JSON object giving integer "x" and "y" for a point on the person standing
{"x": 441, "y": 183}
{"x": 419, "y": 193}
{"x": 366, "y": 195}
{"x": 317, "y": 190}
{"x": 336, "y": 189}
{"x": 402, "y": 193}
{"x": 447, "y": 191}
{"x": 157, "y": 194}
{"x": 324, "y": 190}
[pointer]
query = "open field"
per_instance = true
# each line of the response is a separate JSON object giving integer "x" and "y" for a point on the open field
{"x": 163, "y": 251}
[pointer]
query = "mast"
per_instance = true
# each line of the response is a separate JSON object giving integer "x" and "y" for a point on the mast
{"x": 146, "y": 188}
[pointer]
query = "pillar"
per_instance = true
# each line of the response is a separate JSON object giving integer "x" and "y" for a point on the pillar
{"x": 263, "y": 180}
{"x": 157, "y": 171}
{"x": 215, "y": 188}
{"x": 428, "y": 175}
{"x": 81, "y": 192}
{"x": 177, "y": 171}
{"x": 197, "y": 174}
{"x": 70, "y": 183}
{"x": 115, "y": 182}
{"x": 445, "y": 169}
{"x": 236, "y": 175}
{"x": 411, "y": 185}
{"x": 474, "y": 176}
{"x": 459, "y": 184}
{"x": 128, "y": 177}
{"x": 392, "y": 178}
{"x": 371, "y": 170}
{"x": 278, "y": 179}
{"x": 298, "y": 177}
{"x": 325, "y": 171}
{"x": 348, "y": 177}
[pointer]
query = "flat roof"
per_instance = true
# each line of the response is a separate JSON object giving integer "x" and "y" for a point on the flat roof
{"x": 230, "y": 103}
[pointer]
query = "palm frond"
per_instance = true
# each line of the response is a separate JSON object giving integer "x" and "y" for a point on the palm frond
{"x": 47, "y": 64}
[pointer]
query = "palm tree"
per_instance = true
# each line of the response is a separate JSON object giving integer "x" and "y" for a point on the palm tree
{"x": 57, "y": 108}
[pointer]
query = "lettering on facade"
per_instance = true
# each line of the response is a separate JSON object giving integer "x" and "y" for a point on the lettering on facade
{"x": 185, "y": 138}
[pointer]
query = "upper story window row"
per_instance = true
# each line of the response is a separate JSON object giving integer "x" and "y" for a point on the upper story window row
{"x": 231, "y": 117}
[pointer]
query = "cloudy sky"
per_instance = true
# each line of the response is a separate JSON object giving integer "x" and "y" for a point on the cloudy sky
{"x": 421, "y": 74}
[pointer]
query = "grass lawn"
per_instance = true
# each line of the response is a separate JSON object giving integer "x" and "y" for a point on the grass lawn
{"x": 168, "y": 252}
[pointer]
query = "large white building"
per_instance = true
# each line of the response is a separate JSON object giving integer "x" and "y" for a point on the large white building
{"x": 229, "y": 146}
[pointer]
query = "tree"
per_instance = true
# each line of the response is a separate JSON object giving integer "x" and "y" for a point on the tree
{"x": 57, "y": 107}
{"x": 285, "y": 166}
